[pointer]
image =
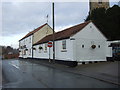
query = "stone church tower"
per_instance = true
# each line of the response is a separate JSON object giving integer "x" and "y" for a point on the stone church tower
{"x": 98, "y": 4}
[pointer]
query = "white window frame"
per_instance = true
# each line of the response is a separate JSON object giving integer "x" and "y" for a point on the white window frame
{"x": 64, "y": 48}
{"x": 64, "y": 44}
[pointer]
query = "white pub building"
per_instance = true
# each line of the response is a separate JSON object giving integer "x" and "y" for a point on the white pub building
{"x": 80, "y": 43}
{"x": 26, "y": 43}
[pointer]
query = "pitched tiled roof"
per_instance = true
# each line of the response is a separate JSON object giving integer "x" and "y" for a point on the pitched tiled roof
{"x": 64, "y": 34}
{"x": 32, "y": 32}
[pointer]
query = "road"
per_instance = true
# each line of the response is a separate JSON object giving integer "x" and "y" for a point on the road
{"x": 0, "y": 74}
{"x": 25, "y": 74}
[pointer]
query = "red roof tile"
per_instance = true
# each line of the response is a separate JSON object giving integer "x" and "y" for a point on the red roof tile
{"x": 64, "y": 34}
{"x": 32, "y": 32}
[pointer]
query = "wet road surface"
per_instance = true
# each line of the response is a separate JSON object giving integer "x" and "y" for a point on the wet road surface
{"x": 25, "y": 74}
{"x": 0, "y": 74}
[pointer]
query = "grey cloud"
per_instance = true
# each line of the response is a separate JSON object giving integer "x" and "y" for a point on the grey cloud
{"x": 70, "y": 13}
{"x": 18, "y": 18}
{"x": 21, "y": 17}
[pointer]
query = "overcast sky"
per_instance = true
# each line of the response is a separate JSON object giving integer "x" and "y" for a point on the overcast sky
{"x": 19, "y": 18}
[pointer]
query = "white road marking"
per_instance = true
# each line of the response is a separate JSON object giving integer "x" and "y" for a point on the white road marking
{"x": 15, "y": 66}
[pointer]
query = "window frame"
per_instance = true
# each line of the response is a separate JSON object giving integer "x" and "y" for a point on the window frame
{"x": 64, "y": 47}
{"x": 45, "y": 47}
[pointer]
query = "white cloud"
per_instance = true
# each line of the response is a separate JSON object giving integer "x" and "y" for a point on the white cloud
{"x": 11, "y": 40}
{"x": 70, "y": 13}
{"x": 23, "y": 16}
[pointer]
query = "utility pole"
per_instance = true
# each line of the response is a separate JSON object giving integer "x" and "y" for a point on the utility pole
{"x": 47, "y": 18}
{"x": 32, "y": 44}
{"x": 53, "y": 34}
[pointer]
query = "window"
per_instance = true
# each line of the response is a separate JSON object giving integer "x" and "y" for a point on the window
{"x": 45, "y": 47}
{"x": 98, "y": 46}
{"x": 24, "y": 52}
{"x": 64, "y": 44}
{"x": 99, "y": 1}
{"x": 24, "y": 46}
{"x": 82, "y": 46}
{"x": 30, "y": 40}
{"x": 19, "y": 45}
{"x": 30, "y": 52}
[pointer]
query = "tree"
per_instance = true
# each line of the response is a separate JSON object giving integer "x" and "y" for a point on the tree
{"x": 108, "y": 21}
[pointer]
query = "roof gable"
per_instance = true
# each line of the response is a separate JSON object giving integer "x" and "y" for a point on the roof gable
{"x": 32, "y": 32}
{"x": 64, "y": 34}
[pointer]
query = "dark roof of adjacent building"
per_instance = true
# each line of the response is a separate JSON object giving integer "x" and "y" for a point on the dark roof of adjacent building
{"x": 115, "y": 44}
{"x": 64, "y": 34}
{"x": 32, "y": 32}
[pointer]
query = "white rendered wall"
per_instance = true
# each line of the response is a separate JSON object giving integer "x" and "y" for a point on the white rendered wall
{"x": 28, "y": 42}
{"x": 67, "y": 54}
{"x": 88, "y": 36}
{"x": 40, "y": 53}
{"x": 46, "y": 30}
{"x": 60, "y": 54}
{"x": 74, "y": 52}
{"x": 21, "y": 50}
{"x": 29, "y": 46}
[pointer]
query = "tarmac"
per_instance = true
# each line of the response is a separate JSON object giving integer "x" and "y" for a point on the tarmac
{"x": 48, "y": 75}
{"x": 1, "y": 74}
{"x": 103, "y": 71}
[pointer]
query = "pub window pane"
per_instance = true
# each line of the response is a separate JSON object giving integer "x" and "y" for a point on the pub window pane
{"x": 64, "y": 44}
{"x": 46, "y": 47}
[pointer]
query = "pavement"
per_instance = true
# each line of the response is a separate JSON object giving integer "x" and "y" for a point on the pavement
{"x": 103, "y": 71}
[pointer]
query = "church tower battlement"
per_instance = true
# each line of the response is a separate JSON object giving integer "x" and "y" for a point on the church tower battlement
{"x": 98, "y": 4}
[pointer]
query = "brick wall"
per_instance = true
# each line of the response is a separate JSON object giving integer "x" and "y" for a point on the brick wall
{"x": 11, "y": 56}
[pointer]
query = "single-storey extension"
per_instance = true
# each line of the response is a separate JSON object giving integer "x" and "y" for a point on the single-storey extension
{"x": 80, "y": 43}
